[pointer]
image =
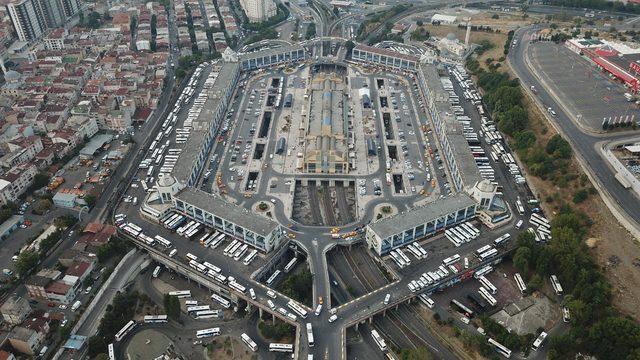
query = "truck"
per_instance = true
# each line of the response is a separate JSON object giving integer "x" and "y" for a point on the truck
{"x": 76, "y": 305}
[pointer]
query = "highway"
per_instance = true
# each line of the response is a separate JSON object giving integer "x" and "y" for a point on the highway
{"x": 584, "y": 144}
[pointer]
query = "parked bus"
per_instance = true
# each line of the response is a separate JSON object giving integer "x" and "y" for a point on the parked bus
{"x": 156, "y": 271}
{"x": 236, "y": 286}
{"x": 247, "y": 340}
{"x": 249, "y": 258}
{"x": 483, "y": 249}
{"x": 229, "y": 247}
{"x": 162, "y": 241}
{"x": 125, "y": 330}
{"x": 501, "y": 240}
{"x": 181, "y": 294}
{"x": 538, "y": 342}
{"x": 556, "y": 285}
{"x": 273, "y": 277}
{"x": 210, "y": 266}
{"x": 297, "y": 309}
{"x": 206, "y": 314}
{"x": 451, "y": 260}
{"x": 404, "y": 256}
{"x": 290, "y": 265}
{"x": 521, "y": 286}
{"x": 222, "y": 301}
{"x": 310, "y": 334}
{"x": 488, "y": 254}
{"x": 540, "y": 220}
{"x": 155, "y": 319}
{"x": 487, "y": 284}
{"x": 485, "y": 295}
{"x": 240, "y": 252}
{"x": 190, "y": 256}
{"x": 460, "y": 307}
{"x": 382, "y": 345}
{"x": 217, "y": 241}
{"x": 500, "y": 349}
{"x": 208, "y": 332}
{"x": 112, "y": 354}
{"x": 192, "y": 309}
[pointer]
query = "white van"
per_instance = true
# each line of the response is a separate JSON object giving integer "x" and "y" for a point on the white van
{"x": 519, "y": 224}
{"x": 386, "y": 299}
{"x": 318, "y": 309}
{"x": 271, "y": 294}
{"x": 252, "y": 293}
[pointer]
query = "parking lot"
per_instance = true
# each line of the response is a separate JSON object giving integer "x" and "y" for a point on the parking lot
{"x": 589, "y": 94}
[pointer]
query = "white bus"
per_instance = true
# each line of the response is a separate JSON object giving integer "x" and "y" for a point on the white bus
{"x": 249, "y": 258}
{"x": 487, "y": 284}
{"x": 485, "y": 294}
{"x": 453, "y": 238}
{"x": 217, "y": 241}
{"x": 469, "y": 227}
{"x": 181, "y": 294}
{"x": 401, "y": 264}
{"x": 488, "y": 254}
{"x": 421, "y": 249}
{"x": 540, "y": 220}
{"x": 195, "y": 308}
{"x": 155, "y": 319}
{"x": 482, "y": 271}
{"x": 501, "y": 349}
{"x": 275, "y": 347}
{"x": 203, "y": 239}
{"x": 556, "y": 285}
{"x": 538, "y": 342}
{"x": 310, "y": 334}
{"x": 112, "y": 354}
{"x": 191, "y": 302}
{"x": 207, "y": 314}
{"x": 521, "y": 286}
{"x": 190, "y": 256}
{"x": 273, "y": 277}
{"x": 228, "y": 248}
{"x": 156, "y": 271}
{"x": 290, "y": 265}
{"x": 483, "y": 249}
{"x": 247, "y": 340}
{"x": 222, "y": 301}
{"x": 426, "y": 300}
{"x": 414, "y": 251}
{"x": 379, "y": 340}
{"x": 240, "y": 252}
{"x": 234, "y": 285}
{"x": 125, "y": 330}
{"x": 404, "y": 256}
{"x": 197, "y": 266}
{"x": 162, "y": 241}
{"x": 208, "y": 332}
{"x": 297, "y": 309}
{"x": 233, "y": 249}
{"x": 520, "y": 207}
{"x": 451, "y": 260}
{"x": 501, "y": 240}
{"x": 212, "y": 267}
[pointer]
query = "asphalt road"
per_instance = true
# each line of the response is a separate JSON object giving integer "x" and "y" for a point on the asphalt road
{"x": 584, "y": 145}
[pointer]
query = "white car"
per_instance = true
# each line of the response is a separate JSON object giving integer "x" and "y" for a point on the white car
{"x": 333, "y": 318}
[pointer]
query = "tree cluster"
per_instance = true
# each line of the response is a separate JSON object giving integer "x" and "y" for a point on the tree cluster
{"x": 596, "y": 328}
{"x": 617, "y": 6}
{"x": 275, "y": 332}
{"x": 172, "y": 306}
{"x": 299, "y": 287}
{"x": 117, "y": 315}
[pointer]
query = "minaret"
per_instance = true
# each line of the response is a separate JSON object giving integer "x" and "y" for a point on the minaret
{"x": 468, "y": 35}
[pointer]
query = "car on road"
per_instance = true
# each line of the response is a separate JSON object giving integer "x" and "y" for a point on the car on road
{"x": 333, "y": 318}
{"x": 62, "y": 306}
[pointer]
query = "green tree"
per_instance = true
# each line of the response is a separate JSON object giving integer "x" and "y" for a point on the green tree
{"x": 65, "y": 221}
{"x": 614, "y": 338}
{"x": 513, "y": 120}
{"x": 40, "y": 180}
{"x": 27, "y": 261}
{"x": 90, "y": 200}
{"x": 524, "y": 139}
{"x": 535, "y": 283}
{"x": 419, "y": 23}
{"x": 172, "y": 306}
{"x": 580, "y": 196}
{"x": 521, "y": 259}
{"x": 558, "y": 147}
{"x": 415, "y": 354}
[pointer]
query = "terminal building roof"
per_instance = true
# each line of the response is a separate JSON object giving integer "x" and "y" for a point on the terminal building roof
{"x": 230, "y": 212}
{"x": 201, "y": 126}
{"x": 415, "y": 217}
{"x": 270, "y": 51}
{"x": 462, "y": 156}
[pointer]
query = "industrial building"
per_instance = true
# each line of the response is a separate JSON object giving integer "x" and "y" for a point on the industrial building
{"x": 399, "y": 230}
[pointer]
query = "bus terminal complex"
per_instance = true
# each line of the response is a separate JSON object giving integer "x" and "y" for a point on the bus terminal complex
{"x": 319, "y": 122}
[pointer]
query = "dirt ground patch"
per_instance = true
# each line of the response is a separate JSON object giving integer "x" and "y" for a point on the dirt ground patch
{"x": 615, "y": 250}
{"x": 227, "y": 347}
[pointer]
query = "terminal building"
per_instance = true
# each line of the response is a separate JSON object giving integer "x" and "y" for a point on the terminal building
{"x": 399, "y": 230}
{"x": 205, "y": 128}
{"x": 385, "y": 57}
{"x": 272, "y": 56}
{"x": 463, "y": 168}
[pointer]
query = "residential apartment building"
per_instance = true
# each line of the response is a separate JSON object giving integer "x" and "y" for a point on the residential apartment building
{"x": 259, "y": 10}
{"x": 32, "y": 18}
{"x": 15, "y": 310}
{"x": 29, "y": 337}
{"x": 16, "y": 181}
